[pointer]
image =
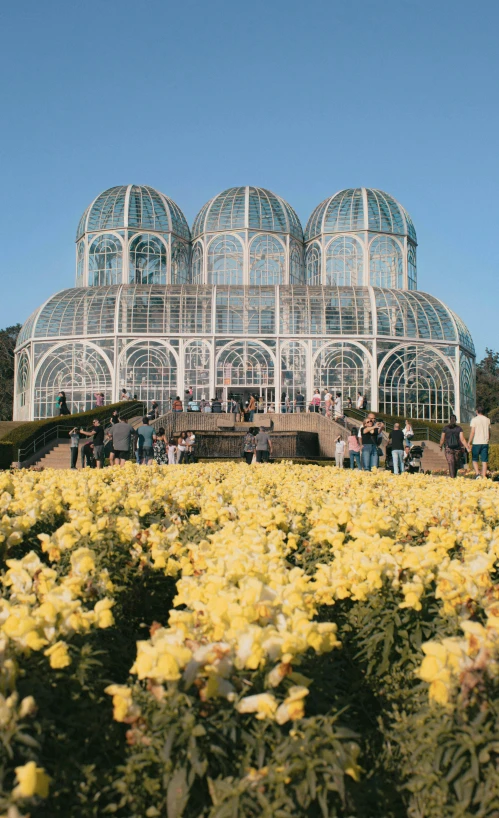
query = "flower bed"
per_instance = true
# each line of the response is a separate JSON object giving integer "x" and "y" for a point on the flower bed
{"x": 223, "y": 640}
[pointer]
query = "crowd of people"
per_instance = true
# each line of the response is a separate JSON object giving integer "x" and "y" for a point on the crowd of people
{"x": 120, "y": 442}
{"x": 323, "y": 401}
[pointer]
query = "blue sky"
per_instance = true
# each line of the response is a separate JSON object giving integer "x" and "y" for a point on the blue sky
{"x": 304, "y": 98}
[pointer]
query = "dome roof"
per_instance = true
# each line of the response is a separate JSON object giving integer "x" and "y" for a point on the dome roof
{"x": 136, "y": 206}
{"x": 252, "y": 208}
{"x": 146, "y": 309}
{"x": 360, "y": 208}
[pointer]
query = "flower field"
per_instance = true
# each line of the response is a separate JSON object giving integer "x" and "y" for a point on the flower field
{"x": 226, "y": 641}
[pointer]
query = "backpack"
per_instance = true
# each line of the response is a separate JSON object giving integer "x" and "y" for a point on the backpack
{"x": 453, "y": 441}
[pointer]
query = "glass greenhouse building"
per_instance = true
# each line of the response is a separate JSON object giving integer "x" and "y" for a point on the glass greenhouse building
{"x": 246, "y": 303}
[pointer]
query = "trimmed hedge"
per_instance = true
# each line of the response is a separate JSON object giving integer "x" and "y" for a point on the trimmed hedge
{"x": 416, "y": 423}
{"x": 22, "y": 436}
{"x": 494, "y": 457}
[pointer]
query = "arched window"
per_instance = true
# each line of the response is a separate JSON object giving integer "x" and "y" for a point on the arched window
{"x": 23, "y": 378}
{"x": 313, "y": 264}
{"x": 225, "y": 261}
{"x": 80, "y": 265}
{"x": 105, "y": 261}
{"x": 197, "y": 264}
{"x": 344, "y": 262}
{"x": 79, "y": 370}
{"x": 416, "y": 382}
{"x": 148, "y": 369}
{"x": 385, "y": 263}
{"x": 245, "y": 363}
{"x": 293, "y": 369}
{"x": 148, "y": 260}
{"x": 197, "y": 368}
{"x": 468, "y": 387}
{"x": 295, "y": 265}
{"x": 180, "y": 263}
{"x": 343, "y": 367}
{"x": 411, "y": 266}
{"x": 267, "y": 261}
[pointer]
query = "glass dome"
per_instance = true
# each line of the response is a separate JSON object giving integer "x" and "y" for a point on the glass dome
{"x": 252, "y": 208}
{"x": 134, "y": 206}
{"x": 357, "y": 209}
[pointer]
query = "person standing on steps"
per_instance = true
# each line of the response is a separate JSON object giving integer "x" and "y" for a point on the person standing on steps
{"x": 453, "y": 441}
{"x": 62, "y": 404}
{"x": 74, "y": 437}
{"x": 251, "y": 408}
{"x": 97, "y": 435}
{"x": 338, "y": 407}
{"x": 479, "y": 442}
{"x": 177, "y": 405}
{"x": 300, "y": 402}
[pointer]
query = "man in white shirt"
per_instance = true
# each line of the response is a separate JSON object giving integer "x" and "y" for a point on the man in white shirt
{"x": 479, "y": 442}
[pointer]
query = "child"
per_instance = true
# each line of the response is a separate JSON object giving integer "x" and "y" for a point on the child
{"x": 172, "y": 452}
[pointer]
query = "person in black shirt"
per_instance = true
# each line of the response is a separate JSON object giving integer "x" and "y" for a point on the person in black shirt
{"x": 370, "y": 438}
{"x": 97, "y": 435}
{"x": 396, "y": 440}
{"x": 454, "y": 441}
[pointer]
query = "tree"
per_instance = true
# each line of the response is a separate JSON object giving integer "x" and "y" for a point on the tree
{"x": 487, "y": 381}
{"x": 8, "y": 338}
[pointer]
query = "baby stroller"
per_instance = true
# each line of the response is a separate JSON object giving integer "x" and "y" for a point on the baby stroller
{"x": 413, "y": 462}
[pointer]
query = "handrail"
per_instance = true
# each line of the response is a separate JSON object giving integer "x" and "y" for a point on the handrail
{"x": 54, "y": 432}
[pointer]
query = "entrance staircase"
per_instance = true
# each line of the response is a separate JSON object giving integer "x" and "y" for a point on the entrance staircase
{"x": 59, "y": 456}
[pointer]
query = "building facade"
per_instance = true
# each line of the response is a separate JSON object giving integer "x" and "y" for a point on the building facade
{"x": 246, "y": 303}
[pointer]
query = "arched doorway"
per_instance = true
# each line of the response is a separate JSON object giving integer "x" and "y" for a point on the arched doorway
{"x": 246, "y": 368}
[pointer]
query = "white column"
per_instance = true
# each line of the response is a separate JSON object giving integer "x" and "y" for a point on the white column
{"x": 457, "y": 384}
{"x": 374, "y": 379}
{"x": 310, "y": 373}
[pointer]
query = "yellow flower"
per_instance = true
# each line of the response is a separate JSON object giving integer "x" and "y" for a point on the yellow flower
{"x": 58, "y": 654}
{"x": 122, "y": 701}
{"x": 32, "y": 780}
{"x": 263, "y": 704}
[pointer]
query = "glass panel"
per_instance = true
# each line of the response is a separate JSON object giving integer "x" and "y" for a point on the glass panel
{"x": 411, "y": 266}
{"x": 108, "y": 210}
{"x": 344, "y": 262}
{"x": 77, "y": 369}
{"x": 148, "y": 260}
{"x": 345, "y": 368}
{"x": 313, "y": 264}
{"x": 225, "y": 261}
{"x": 416, "y": 382}
{"x": 293, "y": 371}
{"x": 244, "y": 363}
{"x": 180, "y": 263}
{"x": 197, "y": 264}
{"x": 197, "y": 368}
{"x": 148, "y": 369}
{"x": 105, "y": 259}
{"x": 267, "y": 261}
{"x": 385, "y": 263}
